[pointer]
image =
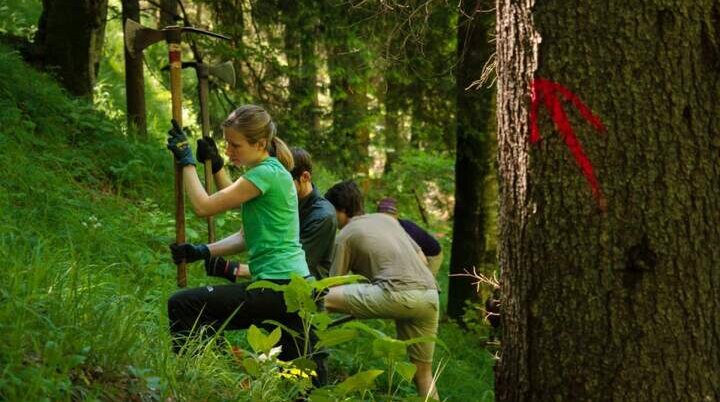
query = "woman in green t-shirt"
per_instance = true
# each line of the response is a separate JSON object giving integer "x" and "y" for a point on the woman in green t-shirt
{"x": 270, "y": 232}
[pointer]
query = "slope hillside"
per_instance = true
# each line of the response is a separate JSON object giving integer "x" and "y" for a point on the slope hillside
{"x": 86, "y": 219}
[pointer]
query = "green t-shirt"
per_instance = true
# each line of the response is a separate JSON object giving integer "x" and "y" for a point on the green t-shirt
{"x": 271, "y": 224}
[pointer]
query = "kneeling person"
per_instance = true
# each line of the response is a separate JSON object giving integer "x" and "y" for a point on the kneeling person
{"x": 401, "y": 288}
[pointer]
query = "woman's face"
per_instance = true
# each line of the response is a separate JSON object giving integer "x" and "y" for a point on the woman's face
{"x": 240, "y": 151}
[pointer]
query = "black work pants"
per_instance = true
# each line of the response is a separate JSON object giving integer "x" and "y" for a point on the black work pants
{"x": 212, "y": 306}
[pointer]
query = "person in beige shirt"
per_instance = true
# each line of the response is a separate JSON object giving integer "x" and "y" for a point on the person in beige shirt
{"x": 401, "y": 286}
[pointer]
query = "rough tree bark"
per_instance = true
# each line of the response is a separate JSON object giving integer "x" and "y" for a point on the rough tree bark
{"x": 474, "y": 113}
{"x": 70, "y": 39}
{"x": 622, "y": 305}
{"x": 134, "y": 79}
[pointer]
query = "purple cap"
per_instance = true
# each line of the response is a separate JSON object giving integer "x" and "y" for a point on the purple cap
{"x": 387, "y": 205}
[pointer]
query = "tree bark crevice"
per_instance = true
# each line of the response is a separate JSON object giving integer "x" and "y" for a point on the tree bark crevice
{"x": 621, "y": 305}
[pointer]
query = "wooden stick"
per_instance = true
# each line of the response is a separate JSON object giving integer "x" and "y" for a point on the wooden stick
{"x": 205, "y": 115}
{"x": 175, "y": 54}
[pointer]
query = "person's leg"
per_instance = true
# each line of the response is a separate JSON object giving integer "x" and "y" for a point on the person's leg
{"x": 421, "y": 320}
{"x": 335, "y": 300}
{"x": 424, "y": 380}
{"x": 212, "y": 306}
{"x": 190, "y": 310}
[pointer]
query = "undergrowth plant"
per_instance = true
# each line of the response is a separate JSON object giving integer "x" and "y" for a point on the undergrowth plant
{"x": 85, "y": 220}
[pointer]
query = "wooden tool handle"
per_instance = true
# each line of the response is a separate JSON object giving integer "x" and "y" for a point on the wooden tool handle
{"x": 205, "y": 115}
{"x": 176, "y": 92}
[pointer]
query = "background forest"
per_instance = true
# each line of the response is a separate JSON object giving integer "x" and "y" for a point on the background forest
{"x": 387, "y": 93}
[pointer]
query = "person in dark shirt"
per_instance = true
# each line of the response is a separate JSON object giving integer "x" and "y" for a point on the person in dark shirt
{"x": 429, "y": 245}
{"x": 318, "y": 223}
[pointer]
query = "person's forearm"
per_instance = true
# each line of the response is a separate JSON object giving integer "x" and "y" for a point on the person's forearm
{"x": 222, "y": 179}
{"x": 232, "y": 244}
{"x": 243, "y": 271}
{"x": 195, "y": 191}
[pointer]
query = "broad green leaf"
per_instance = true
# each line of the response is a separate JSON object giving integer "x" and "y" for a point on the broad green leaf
{"x": 266, "y": 284}
{"x": 272, "y": 339}
{"x": 389, "y": 348}
{"x": 255, "y": 338}
{"x": 334, "y": 337}
{"x": 321, "y": 320}
{"x": 332, "y": 281}
{"x": 287, "y": 329}
{"x": 298, "y": 295}
{"x": 421, "y": 339}
{"x": 260, "y": 342}
{"x": 360, "y": 381}
{"x": 251, "y": 366}
{"x": 406, "y": 370}
{"x": 322, "y": 395}
{"x": 364, "y": 327}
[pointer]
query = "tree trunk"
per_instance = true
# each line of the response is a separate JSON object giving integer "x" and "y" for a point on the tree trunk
{"x": 622, "y": 305}
{"x": 299, "y": 37}
{"x": 70, "y": 40}
{"x": 350, "y": 135}
{"x": 168, "y": 13}
{"x": 134, "y": 79}
{"x": 394, "y": 104}
{"x": 229, "y": 17}
{"x": 474, "y": 112}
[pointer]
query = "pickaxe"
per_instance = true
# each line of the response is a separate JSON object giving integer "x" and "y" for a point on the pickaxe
{"x": 137, "y": 38}
{"x": 224, "y": 72}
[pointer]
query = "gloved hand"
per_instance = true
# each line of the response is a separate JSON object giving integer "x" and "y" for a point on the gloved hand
{"x": 220, "y": 267}
{"x": 189, "y": 252}
{"x": 177, "y": 143}
{"x": 206, "y": 149}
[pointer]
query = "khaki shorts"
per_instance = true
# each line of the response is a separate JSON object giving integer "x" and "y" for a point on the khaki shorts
{"x": 415, "y": 313}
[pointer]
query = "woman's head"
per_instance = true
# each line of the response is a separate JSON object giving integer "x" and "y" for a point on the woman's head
{"x": 251, "y": 136}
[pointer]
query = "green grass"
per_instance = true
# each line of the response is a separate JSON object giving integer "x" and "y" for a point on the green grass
{"x": 86, "y": 219}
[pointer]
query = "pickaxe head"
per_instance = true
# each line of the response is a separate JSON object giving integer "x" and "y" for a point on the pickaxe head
{"x": 138, "y": 37}
{"x": 224, "y": 72}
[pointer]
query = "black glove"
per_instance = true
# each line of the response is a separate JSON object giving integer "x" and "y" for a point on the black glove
{"x": 177, "y": 143}
{"x": 220, "y": 267}
{"x": 189, "y": 252}
{"x": 206, "y": 149}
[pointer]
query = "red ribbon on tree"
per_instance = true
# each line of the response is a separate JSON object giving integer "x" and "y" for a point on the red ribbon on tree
{"x": 550, "y": 93}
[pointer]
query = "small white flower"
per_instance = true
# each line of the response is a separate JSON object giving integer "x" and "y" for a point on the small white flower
{"x": 273, "y": 352}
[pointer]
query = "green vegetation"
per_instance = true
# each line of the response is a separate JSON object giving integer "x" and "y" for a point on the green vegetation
{"x": 87, "y": 214}
{"x": 86, "y": 272}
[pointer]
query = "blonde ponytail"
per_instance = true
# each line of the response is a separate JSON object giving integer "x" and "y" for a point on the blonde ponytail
{"x": 281, "y": 151}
